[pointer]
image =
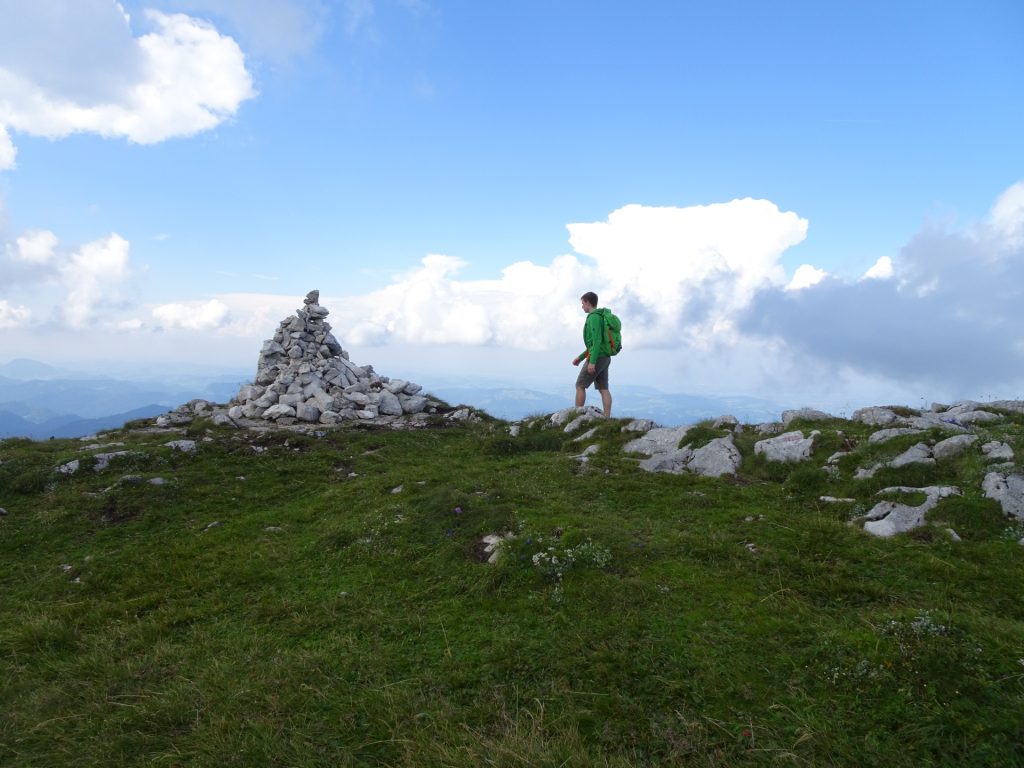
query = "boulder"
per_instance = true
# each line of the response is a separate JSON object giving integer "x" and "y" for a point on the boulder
{"x": 952, "y": 447}
{"x": 888, "y": 434}
{"x": 916, "y": 454}
{"x": 717, "y": 458}
{"x": 185, "y": 446}
{"x": 389, "y": 403}
{"x": 807, "y": 414}
{"x": 1008, "y": 490}
{"x": 876, "y": 416}
{"x": 639, "y": 425}
{"x": 789, "y": 447}
{"x": 307, "y": 412}
{"x": 997, "y": 451}
{"x": 275, "y": 412}
{"x": 887, "y": 518}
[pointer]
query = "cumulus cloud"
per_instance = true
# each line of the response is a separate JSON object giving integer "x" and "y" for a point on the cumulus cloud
{"x": 86, "y": 280}
{"x": 36, "y": 247}
{"x": 193, "y": 316}
{"x": 90, "y": 274}
{"x": 12, "y": 316}
{"x": 805, "y": 276}
{"x": 678, "y": 274}
{"x": 880, "y": 270}
{"x": 1007, "y": 218}
{"x": 951, "y": 316}
{"x": 8, "y": 152}
{"x": 74, "y": 66}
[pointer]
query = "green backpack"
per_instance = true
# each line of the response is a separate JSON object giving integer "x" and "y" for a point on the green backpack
{"x": 612, "y": 327}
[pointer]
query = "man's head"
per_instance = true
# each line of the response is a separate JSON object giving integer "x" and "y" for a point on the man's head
{"x": 588, "y": 301}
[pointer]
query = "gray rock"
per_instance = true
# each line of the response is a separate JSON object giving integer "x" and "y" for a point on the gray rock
{"x": 639, "y": 425}
{"x": 977, "y": 417}
{"x": 307, "y": 412}
{"x": 810, "y": 414}
{"x": 1008, "y": 490}
{"x": 887, "y": 518}
{"x": 389, "y": 404}
{"x": 585, "y": 436}
{"x": 997, "y": 451}
{"x": 588, "y": 415}
{"x": 185, "y": 446}
{"x": 267, "y": 399}
{"x": 412, "y": 403}
{"x": 936, "y": 421}
{"x": 278, "y": 411}
{"x": 771, "y": 428}
{"x": 513, "y": 430}
{"x": 953, "y": 535}
{"x": 788, "y": 447}
{"x": 719, "y": 457}
{"x": 876, "y": 416}
{"x": 657, "y": 440}
{"x": 888, "y": 434}
{"x": 916, "y": 454}
{"x": 157, "y": 481}
{"x": 725, "y": 421}
{"x": 952, "y": 447}
{"x": 70, "y": 467}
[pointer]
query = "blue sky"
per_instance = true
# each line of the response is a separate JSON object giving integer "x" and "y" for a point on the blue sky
{"x": 177, "y": 174}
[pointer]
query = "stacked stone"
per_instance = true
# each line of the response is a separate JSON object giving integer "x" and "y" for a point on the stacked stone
{"x": 304, "y": 375}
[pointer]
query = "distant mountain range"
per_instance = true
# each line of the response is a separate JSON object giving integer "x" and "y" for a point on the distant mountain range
{"x": 629, "y": 402}
{"x": 41, "y": 401}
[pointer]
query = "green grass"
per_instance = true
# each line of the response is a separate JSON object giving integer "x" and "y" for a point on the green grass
{"x": 340, "y": 614}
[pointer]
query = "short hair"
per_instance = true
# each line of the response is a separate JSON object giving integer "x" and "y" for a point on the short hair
{"x": 590, "y": 297}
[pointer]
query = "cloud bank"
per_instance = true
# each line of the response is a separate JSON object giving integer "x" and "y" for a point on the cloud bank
{"x": 706, "y": 304}
{"x": 75, "y": 66}
{"x": 948, "y": 311}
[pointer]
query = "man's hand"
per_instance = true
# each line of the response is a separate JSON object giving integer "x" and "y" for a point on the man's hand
{"x": 591, "y": 369}
{"x": 575, "y": 361}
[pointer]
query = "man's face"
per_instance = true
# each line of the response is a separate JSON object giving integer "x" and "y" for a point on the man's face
{"x": 587, "y": 306}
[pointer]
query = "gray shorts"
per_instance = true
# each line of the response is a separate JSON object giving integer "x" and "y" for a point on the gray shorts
{"x": 599, "y": 378}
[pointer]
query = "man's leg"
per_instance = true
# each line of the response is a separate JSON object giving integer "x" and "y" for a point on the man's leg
{"x": 606, "y": 401}
{"x": 581, "y": 396}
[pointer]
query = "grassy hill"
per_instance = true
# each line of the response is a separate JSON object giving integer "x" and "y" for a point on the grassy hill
{"x": 323, "y": 599}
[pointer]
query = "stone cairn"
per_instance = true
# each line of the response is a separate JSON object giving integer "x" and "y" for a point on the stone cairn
{"x": 303, "y": 375}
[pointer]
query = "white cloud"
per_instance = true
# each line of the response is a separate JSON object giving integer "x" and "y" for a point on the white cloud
{"x": 193, "y": 316}
{"x": 91, "y": 277}
{"x": 36, "y": 247}
{"x": 805, "y": 276}
{"x": 77, "y": 68}
{"x": 1007, "y": 215}
{"x": 954, "y": 319}
{"x": 880, "y": 270}
{"x": 8, "y": 152}
{"x": 11, "y": 316}
{"x": 678, "y": 275}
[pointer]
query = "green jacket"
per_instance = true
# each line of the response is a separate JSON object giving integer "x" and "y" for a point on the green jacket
{"x": 595, "y": 337}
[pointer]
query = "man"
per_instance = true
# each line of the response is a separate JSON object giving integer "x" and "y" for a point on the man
{"x": 597, "y": 354}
